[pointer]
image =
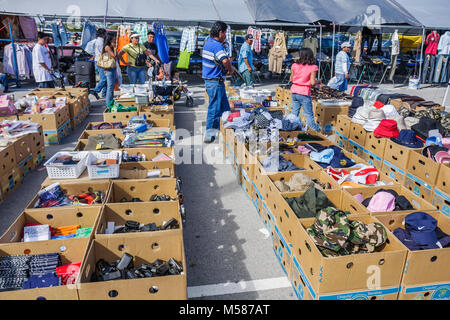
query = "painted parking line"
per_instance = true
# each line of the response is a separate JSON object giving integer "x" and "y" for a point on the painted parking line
{"x": 240, "y": 287}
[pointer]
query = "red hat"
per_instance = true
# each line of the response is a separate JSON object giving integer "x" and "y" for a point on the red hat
{"x": 387, "y": 129}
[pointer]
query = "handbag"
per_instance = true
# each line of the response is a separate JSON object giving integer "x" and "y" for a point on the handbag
{"x": 140, "y": 58}
{"x": 105, "y": 61}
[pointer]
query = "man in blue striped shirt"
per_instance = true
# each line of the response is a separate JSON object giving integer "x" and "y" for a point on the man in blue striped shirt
{"x": 216, "y": 65}
{"x": 342, "y": 67}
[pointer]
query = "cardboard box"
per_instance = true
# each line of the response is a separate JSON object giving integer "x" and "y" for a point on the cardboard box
{"x": 139, "y": 170}
{"x": 436, "y": 291}
{"x": 397, "y": 154}
{"x": 71, "y": 189}
{"x": 395, "y": 173}
{"x": 11, "y": 117}
{"x": 441, "y": 201}
{"x": 375, "y": 145}
{"x": 144, "y": 250}
{"x": 143, "y": 213}
{"x": 423, "y": 168}
{"x": 86, "y": 217}
{"x": 38, "y": 157}
{"x": 301, "y": 161}
{"x": 92, "y": 124}
{"x": 37, "y": 140}
{"x": 57, "y": 136}
{"x": 443, "y": 179}
{"x": 358, "y": 134}
{"x": 343, "y": 125}
{"x": 22, "y": 148}
{"x": 70, "y": 251}
{"x": 372, "y": 159}
{"x": 329, "y": 114}
{"x": 10, "y": 181}
{"x": 422, "y": 266}
{"x": 119, "y": 116}
{"x": 282, "y": 251}
{"x": 356, "y": 149}
{"x": 51, "y": 121}
{"x": 115, "y": 132}
{"x": 153, "y": 114}
{"x": 325, "y": 276}
{"x": 7, "y": 159}
{"x": 418, "y": 203}
{"x": 150, "y": 153}
{"x": 26, "y": 167}
{"x": 419, "y": 188}
{"x": 342, "y": 141}
{"x": 142, "y": 189}
{"x": 246, "y": 183}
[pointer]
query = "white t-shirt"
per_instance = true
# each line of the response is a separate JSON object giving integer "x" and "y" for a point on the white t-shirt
{"x": 41, "y": 55}
{"x": 98, "y": 46}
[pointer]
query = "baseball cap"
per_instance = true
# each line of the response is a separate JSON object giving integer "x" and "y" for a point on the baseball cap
{"x": 346, "y": 45}
{"x": 249, "y": 37}
{"x": 422, "y": 228}
{"x": 134, "y": 35}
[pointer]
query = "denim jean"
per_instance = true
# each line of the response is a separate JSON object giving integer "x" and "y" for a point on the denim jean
{"x": 46, "y": 85}
{"x": 110, "y": 76}
{"x": 341, "y": 84}
{"x": 4, "y": 81}
{"x": 444, "y": 70}
{"x": 305, "y": 102}
{"x": 441, "y": 65}
{"x": 430, "y": 61}
{"x": 218, "y": 104}
{"x": 136, "y": 74}
{"x": 101, "y": 85}
{"x": 248, "y": 77}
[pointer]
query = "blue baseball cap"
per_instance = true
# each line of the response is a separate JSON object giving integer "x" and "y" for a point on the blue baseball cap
{"x": 324, "y": 156}
{"x": 422, "y": 228}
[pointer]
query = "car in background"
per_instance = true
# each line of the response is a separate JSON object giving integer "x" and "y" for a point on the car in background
{"x": 294, "y": 44}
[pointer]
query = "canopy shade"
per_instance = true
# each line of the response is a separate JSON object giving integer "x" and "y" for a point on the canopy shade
{"x": 432, "y": 14}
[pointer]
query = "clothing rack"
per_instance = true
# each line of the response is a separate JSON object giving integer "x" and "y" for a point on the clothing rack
{"x": 16, "y": 68}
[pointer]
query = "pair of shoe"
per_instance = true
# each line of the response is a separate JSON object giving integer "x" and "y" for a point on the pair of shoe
{"x": 211, "y": 135}
{"x": 95, "y": 94}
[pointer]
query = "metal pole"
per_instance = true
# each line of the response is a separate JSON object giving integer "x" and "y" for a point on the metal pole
{"x": 332, "y": 54}
{"x": 421, "y": 55}
{"x": 320, "y": 50}
{"x": 16, "y": 68}
{"x": 446, "y": 94}
{"x": 106, "y": 13}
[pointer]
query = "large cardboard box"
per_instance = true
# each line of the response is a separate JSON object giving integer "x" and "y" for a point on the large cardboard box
{"x": 360, "y": 272}
{"x": 22, "y": 148}
{"x": 343, "y": 125}
{"x": 26, "y": 167}
{"x": 443, "y": 180}
{"x": 395, "y": 173}
{"x": 10, "y": 181}
{"x": 375, "y": 145}
{"x": 418, "y": 203}
{"x": 37, "y": 140}
{"x": 423, "y": 168}
{"x": 159, "y": 115}
{"x": 51, "y": 121}
{"x": 372, "y": 159}
{"x": 150, "y": 153}
{"x": 7, "y": 159}
{"x": 86, "y": 217}
{"x": 282, "y": 250}
{"x": 38, "y": 157}
{"x": 115, "y": 132}
{"x": 71, "y": 189}
{"x": 144, "y": 250}
{"x": 142, "y": 189}
{"x": 144, "y": 213}
{"x": 441, "y": 201}
{"x": 432, "y": 291}
{"x": 418, "y": 187}
{"x": 358, "y": 134}
{"x": 57, "y": 136}
{"x": 342, "y": 141}
{"x": 356, "y": 149}
{"x": 397, "y": 155}
{"x": 303, "y": 162}
{"x": 119, "y": 116}
{"x": 139, "y": 170}
{"x": 328, "y": 114}
{"x": 422, "y": 267}
{"x": 70, "y": 251}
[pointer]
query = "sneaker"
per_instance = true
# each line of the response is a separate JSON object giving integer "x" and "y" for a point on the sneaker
{"x": 95, "y": 94}
{"x": 209, "y": 139}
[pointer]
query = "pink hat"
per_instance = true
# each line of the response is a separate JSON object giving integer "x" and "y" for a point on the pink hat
{"x": 382, "y": 202}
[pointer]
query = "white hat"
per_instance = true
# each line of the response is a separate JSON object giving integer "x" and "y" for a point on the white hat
{"x": 134, "y": 35}
{"x": 390, "y": 112}
{"x": 346, "y": 45}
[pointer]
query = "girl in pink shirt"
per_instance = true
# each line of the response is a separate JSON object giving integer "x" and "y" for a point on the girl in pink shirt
{"x": 303, "y": 76}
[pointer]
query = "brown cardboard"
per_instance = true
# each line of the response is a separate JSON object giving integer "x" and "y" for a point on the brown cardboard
{"x": 443, "y": 179}
{"x": 422, "y": 266}
{"x": 441, "y": 201}
{"x": 299, "y": 160}
{"x": 142, "y": 189}
{"x": 152, "y": 114}
{"x": 419, "y": 188}
{"x": 425, "y": 169}
{"x": 429, "y": 291}
{"x": 150, "y": 153}
{"x": 139, "y": 170}
{"x": 282, "y": 252}
{"x": 115, "y": 132}
{"x": 144, "y": 213}
{"x": 375, "y": 145}
{"x": 22, "y": 148}
{"x": 118, "y": 116}
{"x": 7, "y": 159}
{"x": 418, "y": 203}
{"x": 51, "y": 121}
{"x": 328, "y": 114}
{"x": 10, "y": 181}
{"x": 37, "y": 140}
{"x": 394, "y": 173}
{"x": 38, "y": 157}
{"x": 358, "y": 134}
{"x": 347, "y": 273}
{"x": 81, "y": 145}
{"x": 72, "y": 189}
{"x": 343, "y": 125}
{"x": 86, "y": 217}
{"x": 144, "y": 250}
{"x": 70, "y": 250}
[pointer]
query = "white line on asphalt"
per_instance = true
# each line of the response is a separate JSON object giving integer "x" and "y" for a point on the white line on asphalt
{"x": 197, "y": 111}
{"x": 96, "y": 114}
{"x": 240, "y": 287}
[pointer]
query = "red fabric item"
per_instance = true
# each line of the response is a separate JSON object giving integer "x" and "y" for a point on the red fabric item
{"x": 370, "y": 175}
{"x": 337, "y": 174}
{"x": 68, "y": 273}
{"x": 387, "y": 129}
{"x": 378, "y": 105}
{"x": 432, "y": 43}
{"x": 233, "y": 115}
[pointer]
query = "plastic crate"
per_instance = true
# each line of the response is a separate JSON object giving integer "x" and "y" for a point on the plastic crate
{"x": 67, "y": 171}
{"x": 104, "y": 171}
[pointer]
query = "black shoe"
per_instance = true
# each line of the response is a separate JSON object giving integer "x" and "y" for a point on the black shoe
{"x": 95, "y": 94}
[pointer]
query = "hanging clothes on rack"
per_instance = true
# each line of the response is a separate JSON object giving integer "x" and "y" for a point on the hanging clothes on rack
{"x": 356, "y": 53}
{"x": 229, "y": 40}
{"x": 89, "y": 33}
{"x": 277, "y": 54}
{"x": 23, "y": 56}
{"x": 142, "y": 30}
{"x": 14, "y": 21}
{"x": 442, "y": 59}
{"x": 60, "y": 35}
{"x": 29, "y": 27}
{"x": 161, "y": 42}
{"x": 188, "y": 39}
{"x": 123, "y": 39}
{"x": 256, "y": 33}
{"x": 395, "y": 51}
{"x": 310, "y": 41}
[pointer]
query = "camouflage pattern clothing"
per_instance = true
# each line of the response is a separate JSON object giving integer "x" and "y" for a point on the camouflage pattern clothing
{"x": 335, "y": 235}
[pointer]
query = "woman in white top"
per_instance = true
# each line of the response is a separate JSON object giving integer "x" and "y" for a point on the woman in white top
{"x": 42, "y": 63}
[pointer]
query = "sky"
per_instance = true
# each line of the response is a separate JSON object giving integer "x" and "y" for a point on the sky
{"x": 432, "y": 13}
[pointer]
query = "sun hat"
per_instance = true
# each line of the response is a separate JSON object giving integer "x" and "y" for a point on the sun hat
{"x": 134, "y": 35}
{"x": 387, "y": 129}
{"x": 374, "y": 119}
{"x": 390, "y": 112}
{"x": 442, "y": 157}
{"x": 408, "y": 139}
{"x": 410, "y": 121}
{"x": 346, "y": 45}
{"x": 425, "y": 125}
{"x": 382, "y": 202}
{"x": 361, "y": 115}
{"x": 401, "y": 124}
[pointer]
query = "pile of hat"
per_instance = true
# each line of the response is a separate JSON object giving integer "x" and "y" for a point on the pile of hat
{"x": 385, "y": 200}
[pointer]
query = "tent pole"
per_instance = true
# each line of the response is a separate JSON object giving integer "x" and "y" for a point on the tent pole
{"x": 446, "y": 94}
{"x": 332, "y": 54}
{"x": 421, "y": 55}
{"x": 320, "y": 49}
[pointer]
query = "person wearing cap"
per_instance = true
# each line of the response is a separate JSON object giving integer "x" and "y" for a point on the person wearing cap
{"x": 134, "y": 49}
{"x": 245, "y": 62}
{"x": 342, "y": 67}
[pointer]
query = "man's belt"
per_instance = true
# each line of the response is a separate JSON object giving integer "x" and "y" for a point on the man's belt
{"x": 216, "y": 79}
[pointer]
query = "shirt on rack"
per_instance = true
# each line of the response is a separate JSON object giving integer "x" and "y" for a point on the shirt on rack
{"x": 395, "y": 44}
{"x": 60, "y": 35}
{"x": 311, "y": 43}
{"x": 29, "y": 28}
{"x": 24, "y": 60}
{"x": 444, "y": 44}
{"x": 122, "y": 40}
{"x": 161, "y": 42}
{"x": 142, "y": 30}
{"x": 432, "y": 43}
{"x": 256, "y": 33}
{"x": 89, "y": 33}
{"x": 188, "y": 39}
{"x": 229, "y": 40}
{"x": 41, "y": 55}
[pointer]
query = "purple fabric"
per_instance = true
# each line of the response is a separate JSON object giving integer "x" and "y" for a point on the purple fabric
{"x": 29, "y": 28}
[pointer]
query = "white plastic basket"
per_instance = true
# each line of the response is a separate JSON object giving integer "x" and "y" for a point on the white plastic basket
{"x": 67, "y": 171}
{"x": 107, "y": 171}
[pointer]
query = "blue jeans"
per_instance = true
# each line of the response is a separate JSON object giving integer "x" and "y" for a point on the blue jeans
{"x": 4, "y": 81}
{"x": 46, "y": 85}
{"x": 341, "y": 84}
{"x": 136, "y": 74}
{"x": 218, "y": 104}
{"x": 101, "y": 85}
{"x": 110, "y": 76}
{"x": 305, "y": 102}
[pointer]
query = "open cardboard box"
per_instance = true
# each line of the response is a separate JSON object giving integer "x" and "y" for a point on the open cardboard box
{"x": 150, "y": 153}
{"x": 299, "y": 160}
{"x": 144, "y": 213}
{"x": 139, "y": 170}
{"x": 70, "y": 250}
{"x": 115, "y": 132}
{"x": 84, "y": 178}
{"x": 358, "y": 134}
{"x": 423, "y": 267}
{"x": 86, "y": 217}
{"x": 81, "y": 145}
{"x": 71, "y": 189}
{"x": 397, "y": 154}
{"x": 423, "y": 168}
{"x": 142, "y": 189}
{"x": 418, "y": 203}
{"x": 343, "y": 125}
{"x": 375, "y": 145}
{"x": 443, "y": 180}
{"x": 324, "y": 276}
{"x": 7, "y": 159}
{"x": 162, "y": 246}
